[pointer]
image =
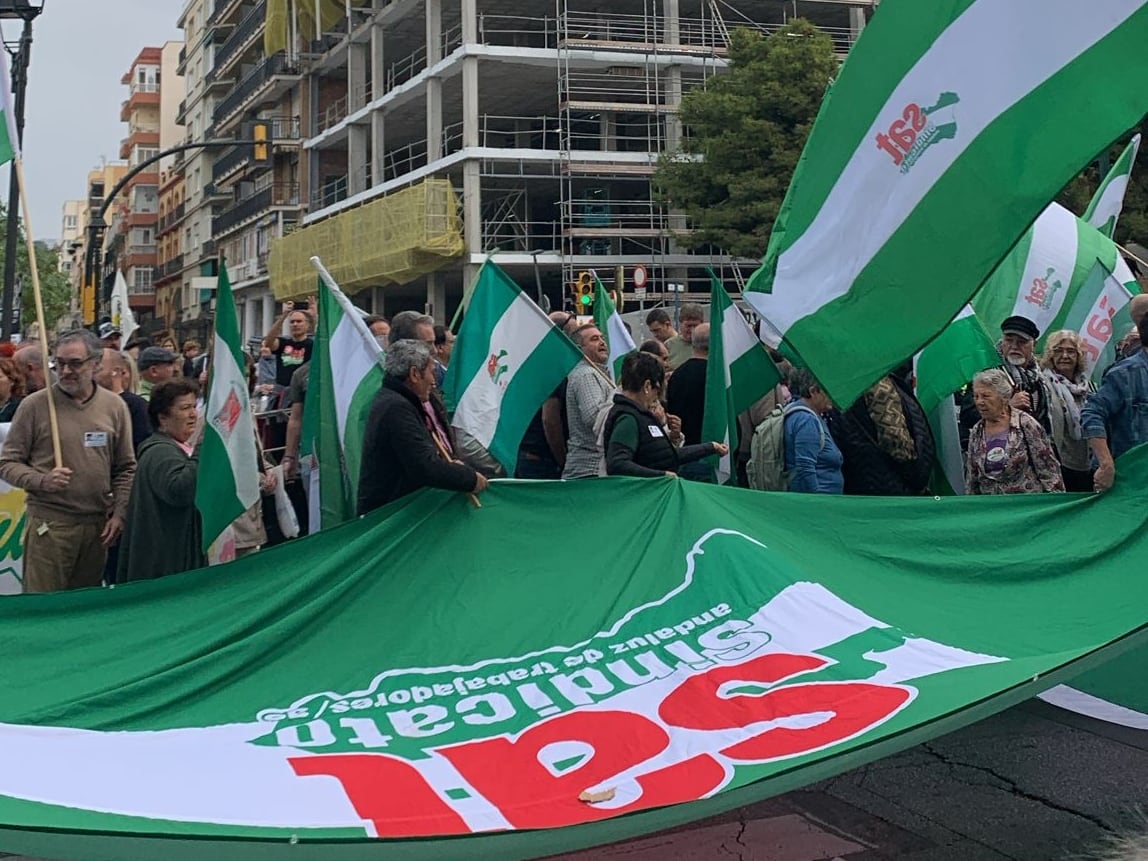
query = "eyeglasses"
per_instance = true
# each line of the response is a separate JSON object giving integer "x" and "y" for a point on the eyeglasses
{"x": 1065, "y": 351}
{"x": 73, "y": 364}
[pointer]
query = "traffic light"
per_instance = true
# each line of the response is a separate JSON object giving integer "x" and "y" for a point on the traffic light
{"x": 261, "y": 134}
{"x": 584, "y": 294}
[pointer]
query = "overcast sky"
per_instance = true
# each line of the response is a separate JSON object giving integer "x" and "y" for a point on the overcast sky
{"x": 80, "y": 50}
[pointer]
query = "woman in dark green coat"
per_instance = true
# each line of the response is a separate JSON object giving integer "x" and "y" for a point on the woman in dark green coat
{"x": 163, "y": 533}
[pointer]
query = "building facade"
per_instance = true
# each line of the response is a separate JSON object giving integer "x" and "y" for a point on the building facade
{"x": 259, "y": 202}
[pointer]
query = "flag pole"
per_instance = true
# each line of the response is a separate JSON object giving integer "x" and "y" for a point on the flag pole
{"x": 53, "y": 421}
{"x": 1128, "y": 253}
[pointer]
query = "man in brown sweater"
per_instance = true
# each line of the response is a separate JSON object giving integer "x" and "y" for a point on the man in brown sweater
{"x": 75, "y": 512}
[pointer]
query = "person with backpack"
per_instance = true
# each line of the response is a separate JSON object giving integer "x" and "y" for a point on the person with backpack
{"x": 812, "y": 459}
{"x": 637, "y": 443}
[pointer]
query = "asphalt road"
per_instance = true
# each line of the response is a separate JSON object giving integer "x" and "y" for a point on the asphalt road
{"x": 1032, "y": 784}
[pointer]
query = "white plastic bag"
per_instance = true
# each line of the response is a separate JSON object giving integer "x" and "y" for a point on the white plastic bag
{"x": 284, "y": 510}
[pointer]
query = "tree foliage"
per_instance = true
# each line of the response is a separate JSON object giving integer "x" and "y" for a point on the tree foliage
{"x": 55, "y": 289}
{"x": 748, "y": 126}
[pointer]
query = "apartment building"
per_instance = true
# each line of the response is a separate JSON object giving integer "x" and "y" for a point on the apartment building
{"x": 259, "y": 203}
{"x": 204, "y": 35}
{"x": 154, "y": 92}
{"x": 71, "y": 229}
{"x": 99, "y": 184}
{"x": 540, "y": 123}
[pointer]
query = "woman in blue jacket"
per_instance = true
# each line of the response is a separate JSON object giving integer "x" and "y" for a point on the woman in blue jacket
{"x": 812, "y": 458}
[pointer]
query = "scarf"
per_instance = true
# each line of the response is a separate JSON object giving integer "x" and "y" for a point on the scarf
{"x": 1072, "y": 395}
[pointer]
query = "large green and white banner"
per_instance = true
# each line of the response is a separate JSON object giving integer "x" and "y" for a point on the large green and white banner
{"x": 429, "y": 682}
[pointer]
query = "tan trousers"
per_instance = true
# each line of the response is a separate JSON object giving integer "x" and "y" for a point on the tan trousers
{"x": 60, "y": 555}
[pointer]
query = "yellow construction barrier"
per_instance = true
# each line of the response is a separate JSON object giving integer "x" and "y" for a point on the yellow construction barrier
{"x": 277, "y": 21}
{"x": 392, "y": 240}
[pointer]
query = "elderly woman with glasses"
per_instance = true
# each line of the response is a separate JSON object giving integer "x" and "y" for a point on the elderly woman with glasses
{"x": 1008, "y": 450}
{"x": 1069, "y": 385}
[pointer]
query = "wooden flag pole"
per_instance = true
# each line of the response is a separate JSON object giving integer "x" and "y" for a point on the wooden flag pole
{"x": 53, "y": 421}
{"x": 1128, "y": 253}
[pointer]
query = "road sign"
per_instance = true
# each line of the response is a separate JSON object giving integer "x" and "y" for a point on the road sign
{"x": 641, "y": 276}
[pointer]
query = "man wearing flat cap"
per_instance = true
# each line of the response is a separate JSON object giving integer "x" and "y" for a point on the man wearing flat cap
{"x": 1017, "y": 347}
{"x": 157, "y": 365}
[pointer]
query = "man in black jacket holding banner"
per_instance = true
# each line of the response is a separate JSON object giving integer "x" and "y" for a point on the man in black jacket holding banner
{"x": 408, "y": 443}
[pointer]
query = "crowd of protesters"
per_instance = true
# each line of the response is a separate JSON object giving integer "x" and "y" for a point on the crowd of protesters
{"x": 121, "y": 505}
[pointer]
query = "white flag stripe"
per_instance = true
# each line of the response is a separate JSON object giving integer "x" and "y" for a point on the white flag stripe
{"x": 523, "y": 326}
{"x": 1049, "y": 268}
{"x": 354, "y": 366}
{"x": 240, "y": 444}
{"x": 1096, "y": 329}
{"x": 1006, "y": 70}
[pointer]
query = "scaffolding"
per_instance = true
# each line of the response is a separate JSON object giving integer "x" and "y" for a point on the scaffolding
{"x": 616, "y": 119}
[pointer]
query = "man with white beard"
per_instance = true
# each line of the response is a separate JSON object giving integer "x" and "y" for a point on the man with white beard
{"x": 1017, "y": 348}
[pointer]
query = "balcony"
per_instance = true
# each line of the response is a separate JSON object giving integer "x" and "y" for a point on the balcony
{"x": 230, "y": 163}
{"x": 181, "y": 114}
{"x": 277, "y": 194}
{"x": 255, "y": 85}
{"x": 234, "y": 161}
{"x": 139, "y": 137}
{"x": 169, "y": 267}
{"x": 181, "y": 61}
{"x": 212, "y": 192}
{"x": 241, "y": 37}
{"x": 215, "y": 81}
{"x": 171, "y": 219}
{"x": 207, "y": 250}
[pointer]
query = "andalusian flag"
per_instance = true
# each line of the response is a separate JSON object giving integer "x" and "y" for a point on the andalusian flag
{"x": 9, "y": 136}
{"x": 346, "y": 374}
{"x": 609, "y": 323}
{"x": 508, "y": 359}
{"x": 1108, "y": 202}
{"x": 942, "y": 139}
{"x": 739, "y": 372}
{"x": 228, "y": 482}
{"x": 951, "y": 360}
{"x": 1042, "y": 277}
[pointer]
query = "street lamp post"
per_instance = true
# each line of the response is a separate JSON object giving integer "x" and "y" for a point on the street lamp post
{"x": 26, "y": 11}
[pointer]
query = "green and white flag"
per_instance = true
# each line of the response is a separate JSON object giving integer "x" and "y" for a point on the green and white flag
{"x": 1100, "y": 315}
{"x": 509, "y": 357}
{"x": 1108, "y": 202}
{"x": 951, "y": 359}
{"x": 609, "y": 323}
{"x": 739, "y": 373}
{"x": 228, "y": 482}
{"x": 1042, "y": 277}
{"x": 9, "y": 136}
{"x": 939, "y": 143}
{"x": 346, "y": 374}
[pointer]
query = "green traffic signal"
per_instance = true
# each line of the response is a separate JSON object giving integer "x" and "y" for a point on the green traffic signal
{"x": 586, "y": 299}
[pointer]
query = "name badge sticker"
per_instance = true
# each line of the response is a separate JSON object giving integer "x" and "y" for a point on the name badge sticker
{"x": 95, "y": 439}
{"x": 655, "y": 431}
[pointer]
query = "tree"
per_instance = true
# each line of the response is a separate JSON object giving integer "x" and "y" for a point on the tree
{"x": 55, "y": 289}
{"x": 1133, "y": 224}
{"x": 748, "y": 126}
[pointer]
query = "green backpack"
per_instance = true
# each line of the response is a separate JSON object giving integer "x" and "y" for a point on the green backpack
{"x": 766, "y": 467}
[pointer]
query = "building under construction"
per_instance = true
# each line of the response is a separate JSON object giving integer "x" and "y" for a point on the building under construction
{"x": 441, "y": 133}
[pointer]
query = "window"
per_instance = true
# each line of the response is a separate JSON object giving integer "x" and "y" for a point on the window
{"x": 70, "y": 222}
{"x": 142, "y": 280}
